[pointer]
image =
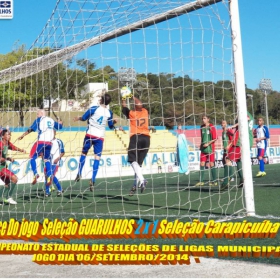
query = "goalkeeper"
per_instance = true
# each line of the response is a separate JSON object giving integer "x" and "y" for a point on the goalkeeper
{"x": 139, "y": 142}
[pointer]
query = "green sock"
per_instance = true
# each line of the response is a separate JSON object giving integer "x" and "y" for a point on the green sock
{"x": 239, "y": 168}
{"x": 201, "y": 173}
{"x": 11, "y": 190}
{"x": 2, "y": 191}
{"x": 230, "y": 171}
{"x": 226, "y": 174}
{"x": 214, "y": 173}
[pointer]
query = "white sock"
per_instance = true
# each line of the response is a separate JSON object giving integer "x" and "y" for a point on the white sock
{"x": 138, "y": 171}
{"x": 136, "y": 181}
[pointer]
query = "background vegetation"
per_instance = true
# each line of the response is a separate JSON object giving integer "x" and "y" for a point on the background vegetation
{"x": 171, "y": 99}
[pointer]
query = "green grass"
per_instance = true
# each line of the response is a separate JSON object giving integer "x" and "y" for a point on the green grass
{"x": 168, "y": 195}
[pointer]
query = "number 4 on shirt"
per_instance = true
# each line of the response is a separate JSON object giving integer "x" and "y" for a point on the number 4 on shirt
{"x": 100, "y": 120}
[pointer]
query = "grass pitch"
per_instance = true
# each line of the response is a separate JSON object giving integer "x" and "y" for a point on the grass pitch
{"x": 169, "y": 196}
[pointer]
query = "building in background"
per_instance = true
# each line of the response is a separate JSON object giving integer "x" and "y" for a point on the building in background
{"x": 90, "y": 96}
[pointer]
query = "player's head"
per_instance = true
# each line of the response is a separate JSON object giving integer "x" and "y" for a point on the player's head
{"x": 6, "y": 134}
{"x": 41, "y": 113}
{"x": 205, "y": 119}
{"x": 105, "y": 99}
{"x": 260, "y": 121}
{"x": 138, "y": 105}
{"x": 224, "y": 123}
{"x": 54, "y": 133}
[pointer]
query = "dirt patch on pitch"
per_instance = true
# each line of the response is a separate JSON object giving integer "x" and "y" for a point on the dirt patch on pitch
{"x": 22, "y": 266}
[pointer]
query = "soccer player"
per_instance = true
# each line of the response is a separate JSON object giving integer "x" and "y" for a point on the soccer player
{"x": 7, "y": 176}
{"x": 97, "y": 117}
{"x": 234, "y": 155}
{"x": 139, "y": 142}
{"x": 207, "y": 148}
{"x": 250, "y": 120}
{"x": 57, "y": 152}
{"x": 227, "y": 134}
{"x": 225, "y": 139}
{"x": 45, "y": 127}
{"x": 262, "y": 134}
{"x": 250, "y": 128}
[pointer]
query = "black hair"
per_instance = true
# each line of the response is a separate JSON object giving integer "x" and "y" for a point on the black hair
{"x": 105, "y": 99}
{"x": 3, "y": 132}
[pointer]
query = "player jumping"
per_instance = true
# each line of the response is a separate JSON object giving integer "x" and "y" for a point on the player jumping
{"x": 97, "y": 117}
{"x": 45, "y": 127}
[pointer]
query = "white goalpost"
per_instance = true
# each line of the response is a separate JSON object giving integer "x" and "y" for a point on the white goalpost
{"x": 242, "y": 107}
{"x": 181, "y": 58}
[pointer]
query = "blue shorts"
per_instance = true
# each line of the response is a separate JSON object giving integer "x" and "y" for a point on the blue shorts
{"x": 41, "y": 148}
{"x": 97, "y": 145}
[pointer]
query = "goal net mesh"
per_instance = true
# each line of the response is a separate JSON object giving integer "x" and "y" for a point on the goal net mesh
{"x": 176, "y": 56}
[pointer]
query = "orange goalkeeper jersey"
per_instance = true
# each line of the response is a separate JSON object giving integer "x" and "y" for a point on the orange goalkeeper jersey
{"x": 139, "y": 122}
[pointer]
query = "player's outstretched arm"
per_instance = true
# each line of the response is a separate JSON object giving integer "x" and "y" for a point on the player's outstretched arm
{"x": 33, "y": 127}
{"x": 14, "y": 148}
{"x": 111, "y": 121}
{"x": 76, "y": 119}
{"x": 86, "y": 115}
{"x": 24, "y": 134}
{"x": 124, "y": 103}
{"x": 58, "y": 125}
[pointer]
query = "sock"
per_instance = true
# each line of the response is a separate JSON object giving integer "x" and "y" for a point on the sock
{"x": 230, "y": 169}
{"x": 47, "y": 189}
{"x": 138, "y": 171}
{"x": 214, "y": 173}
{"x": 33, "y": 166}
{"x": 10, "y": 190}
{"x": 42, "y": 166}
{"x": 48, "y": 168}
{"x": 95, "y": 169}
{"x": 226, "y": 174}
{"x": 135, "y": 183}
{"x": 81, "y": 164}
{"x": 3, "y": 192}
{"x": 56, "y": 182}
{"x": 261, "y": 165}
{"x": 239, "y": 168}
{"x": 201, "y": 173}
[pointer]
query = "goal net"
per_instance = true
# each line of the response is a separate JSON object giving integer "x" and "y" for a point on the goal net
{"x": 176, "y": 56}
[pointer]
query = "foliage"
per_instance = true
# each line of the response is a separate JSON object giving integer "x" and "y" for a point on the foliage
{"x": 171, "y": 99}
